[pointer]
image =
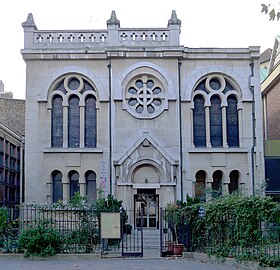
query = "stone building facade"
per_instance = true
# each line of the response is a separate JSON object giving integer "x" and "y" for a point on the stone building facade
{"x": 134, "y": 113}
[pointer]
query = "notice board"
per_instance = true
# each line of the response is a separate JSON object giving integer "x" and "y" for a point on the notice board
{"x": 110, "y": 225}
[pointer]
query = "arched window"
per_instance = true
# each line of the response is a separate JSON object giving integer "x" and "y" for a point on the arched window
{"x": 218, "y": 114}
{"x": 217, "y": 183}
{"x": 199, "y": 128}
{"x": 57, "y": 193}
{"x": 234, "y": 181}
{"x": 57, "y": 122}
{"x": 74, "y": 183}
{"x": 74, "y": 122}
{"x": 91, "y": 186}
{"x": 73, "y": 95}
{"x": 90, "y": 121}
{"x": 232, "y": 122}
{"x": 216, "y": 131}
{"x": 200, "y": 177}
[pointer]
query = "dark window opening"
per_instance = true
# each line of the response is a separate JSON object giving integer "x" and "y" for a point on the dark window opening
{"x": 91, "y": 186}
{"x": 74, "y": 183}
{"x": 57, "y": 187}
{"x": 216, "y": 131}
{"x": 233, "y": 185}
{"x": 199, "y": 128}
{"x": 57, "y": 122}
{"x": 74, "y": 122}
{"x": 232, "y": 122}
{"x": 90, "y": 122}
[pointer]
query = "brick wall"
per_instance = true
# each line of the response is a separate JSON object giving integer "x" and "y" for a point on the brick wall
{"x": 12, "y": 114}
{"x": 273, "y": 113}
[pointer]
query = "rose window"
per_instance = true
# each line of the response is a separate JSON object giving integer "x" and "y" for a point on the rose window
{"x": 145, "y": 97}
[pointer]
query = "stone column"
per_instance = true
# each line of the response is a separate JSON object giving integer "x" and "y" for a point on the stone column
{"x": 207, "y": 124}
{"x": 224, "y": 126}
{"x": 65, "y": 126}
{"x": 82, "y": 126}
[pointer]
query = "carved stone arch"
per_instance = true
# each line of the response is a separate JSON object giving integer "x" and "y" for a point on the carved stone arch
{"x": 151, "y": 170}
{"x": 193, "y": 78}
{"x": 146, "y": 152}
{"x": 84, "y": 80}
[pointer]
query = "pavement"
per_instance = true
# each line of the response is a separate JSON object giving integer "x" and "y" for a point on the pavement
{"x": 82, "y": 263}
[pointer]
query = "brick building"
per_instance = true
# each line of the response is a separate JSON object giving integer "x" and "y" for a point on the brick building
{"x": 271, "y": 106}
{"x": 12, "y": 114}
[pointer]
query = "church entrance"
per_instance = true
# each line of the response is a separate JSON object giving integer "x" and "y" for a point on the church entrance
{"x": 146, "y": 203}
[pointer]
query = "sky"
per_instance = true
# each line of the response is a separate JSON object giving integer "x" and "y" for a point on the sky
{"x": 205, "y": 23}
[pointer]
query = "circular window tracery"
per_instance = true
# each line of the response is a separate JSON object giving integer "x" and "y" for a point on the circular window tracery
{"x": 145, "y": 97}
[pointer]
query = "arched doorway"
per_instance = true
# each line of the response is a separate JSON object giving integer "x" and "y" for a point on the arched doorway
{"x": 146, "y": 201}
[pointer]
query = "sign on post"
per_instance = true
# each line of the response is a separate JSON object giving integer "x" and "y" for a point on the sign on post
{"x": 110, "y": 225}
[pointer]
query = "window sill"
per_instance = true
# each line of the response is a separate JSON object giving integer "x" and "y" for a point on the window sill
{"x": 217, "y": 150}
{"x": 73, "y": 150}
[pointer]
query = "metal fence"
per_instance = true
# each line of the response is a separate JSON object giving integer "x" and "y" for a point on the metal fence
{"x": 79, "y": 228}
{"x": 230, "y": 238}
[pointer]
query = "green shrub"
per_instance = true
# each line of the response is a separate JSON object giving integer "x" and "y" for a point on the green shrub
{"x": 40, "y": 240}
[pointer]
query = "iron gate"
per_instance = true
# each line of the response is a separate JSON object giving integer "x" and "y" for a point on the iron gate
{"x": 173, "y": 240}
{"x": 132, "y": 233}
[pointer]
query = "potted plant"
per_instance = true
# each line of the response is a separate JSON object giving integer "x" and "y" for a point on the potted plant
{"x": 173, "y": 216}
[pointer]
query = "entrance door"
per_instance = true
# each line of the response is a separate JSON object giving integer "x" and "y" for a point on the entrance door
{"x": 146, "y": 205}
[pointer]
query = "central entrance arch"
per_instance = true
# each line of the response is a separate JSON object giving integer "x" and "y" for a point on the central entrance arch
{"x": 146, "y": 202}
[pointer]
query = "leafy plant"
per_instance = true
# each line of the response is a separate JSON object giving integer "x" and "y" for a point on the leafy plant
{"x": 40, "y": 240}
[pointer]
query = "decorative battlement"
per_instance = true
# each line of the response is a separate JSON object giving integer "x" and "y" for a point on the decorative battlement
{"x": 113, "y": 36}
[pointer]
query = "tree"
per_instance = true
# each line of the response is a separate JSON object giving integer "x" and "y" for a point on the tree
{"x": 273, "y": 11}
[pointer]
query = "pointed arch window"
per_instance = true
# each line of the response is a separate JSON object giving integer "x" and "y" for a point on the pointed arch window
{"x": 90, "y": 121}
{"x": 57, "y": 122}
{"x": 199, "y": 127}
